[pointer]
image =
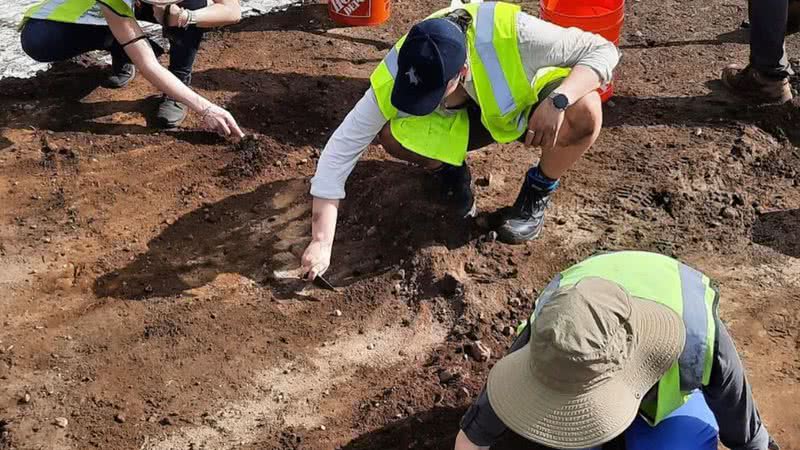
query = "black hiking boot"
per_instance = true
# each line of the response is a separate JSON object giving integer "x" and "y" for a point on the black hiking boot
{"x": 170, "y": 113}
{"x": 457, "y": 187}
{"x": 524, "y": 221}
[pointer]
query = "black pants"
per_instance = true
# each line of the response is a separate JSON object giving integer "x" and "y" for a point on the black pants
{"x": 767, "y": 29}
{"x": 50, "y": 41}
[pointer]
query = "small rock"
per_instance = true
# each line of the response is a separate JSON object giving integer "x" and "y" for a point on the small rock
{"x": 119, "y": 418}
{"x": 492, "y": 236}
{"x": 397, "y": 288}
{"x": 46, "y": 240}
{"x": 729, "y": 212}
{"x": 561, "y": 220}
{"x": 447, "y": 375}
{"x": 371, "y": 347}
{"x": 337, "y": 313}
{"x": 25, "y": 398}
{"x": 478, "y": 351}
{"x": 166, "y": 421}
{"x": 515, "y": 302}
{"x": 611, "y": 104}
{"x": 372, "y": 230}
{"x": 639, "y": 34}
{"x": 322, "y": 428}
{"x": 508, "y": 330}
{"x": 698, "y": 132}
{"x": 61, "y": 422}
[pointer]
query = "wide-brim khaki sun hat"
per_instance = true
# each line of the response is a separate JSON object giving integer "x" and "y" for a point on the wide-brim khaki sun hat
{"x": 594, "y": 353}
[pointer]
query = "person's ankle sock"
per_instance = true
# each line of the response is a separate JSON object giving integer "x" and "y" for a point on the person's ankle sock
{"x": 541, "y": 182}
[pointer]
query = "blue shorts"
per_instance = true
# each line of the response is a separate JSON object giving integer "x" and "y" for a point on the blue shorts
{"x": 690, "y": 427}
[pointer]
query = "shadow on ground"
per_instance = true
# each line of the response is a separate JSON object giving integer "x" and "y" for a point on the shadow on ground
{"x": 779, "y": 231}
{"x": 717, "y": 109}
{"x": 310, "y": 18}
{"x": 292, "y": 108}
{"x": 256, "y": 233}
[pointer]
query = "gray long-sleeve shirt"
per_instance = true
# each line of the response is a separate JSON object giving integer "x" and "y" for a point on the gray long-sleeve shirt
{"x": 728, "y": 396}
{"x": 541, "y": 44}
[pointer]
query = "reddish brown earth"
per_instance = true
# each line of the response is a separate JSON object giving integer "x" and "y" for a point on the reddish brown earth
{"x": 135, "y": 267}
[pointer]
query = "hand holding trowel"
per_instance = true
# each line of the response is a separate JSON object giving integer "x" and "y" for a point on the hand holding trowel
{"x": 301, "y": 274}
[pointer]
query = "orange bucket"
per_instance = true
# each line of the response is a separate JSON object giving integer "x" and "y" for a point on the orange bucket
{"x": 358, "y": 13}
{"x": 604, "y": 17}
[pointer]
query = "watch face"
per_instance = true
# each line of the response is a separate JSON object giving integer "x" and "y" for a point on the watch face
{"x": 560, "y": 101}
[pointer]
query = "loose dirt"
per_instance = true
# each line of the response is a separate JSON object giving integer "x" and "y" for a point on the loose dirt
{"x": 137, "y": 265}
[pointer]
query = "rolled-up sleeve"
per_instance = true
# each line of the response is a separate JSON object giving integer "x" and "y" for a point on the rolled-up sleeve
{"x": 345, "y": 147}
{"x": 730, "y": 399}
{"x": 543, "y": 44}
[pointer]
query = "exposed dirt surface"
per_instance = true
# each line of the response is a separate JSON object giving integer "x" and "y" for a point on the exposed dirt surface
{"x": 138, "y": 301}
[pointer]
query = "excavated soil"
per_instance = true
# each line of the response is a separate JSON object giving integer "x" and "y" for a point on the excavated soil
{"x": 138, "y": 301}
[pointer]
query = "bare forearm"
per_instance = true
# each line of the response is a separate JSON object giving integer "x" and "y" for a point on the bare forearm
{"x": 126, "y": 31}
{"x": 323, "y": 220}
{"x": 167, "y": 83}
{"x": 218, "y": 14}
{"x": 581, "y": 81}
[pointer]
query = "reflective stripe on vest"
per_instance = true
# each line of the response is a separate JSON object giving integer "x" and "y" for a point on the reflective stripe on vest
{"x": 484, "y": 46}
{"x": 86, "y": 12}
{"x": 486, "y": 62}
{"x": 695, "y": 319}
{"x": 673, "y": 284}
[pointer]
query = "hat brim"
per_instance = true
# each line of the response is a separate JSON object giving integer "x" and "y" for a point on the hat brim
{"x": 599, "y": 413}
{"x": 409, "y": 100}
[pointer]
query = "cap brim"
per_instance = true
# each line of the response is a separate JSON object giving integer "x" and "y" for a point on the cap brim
{"x": 599, "y": 413}
{"x": 410, "y": 100}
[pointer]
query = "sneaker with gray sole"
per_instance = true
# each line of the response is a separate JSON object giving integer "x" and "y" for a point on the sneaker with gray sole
{"x": 170, "y": 113}
{"x": 121, "y": 75}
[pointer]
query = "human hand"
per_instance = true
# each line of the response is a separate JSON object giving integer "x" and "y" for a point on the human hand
{"x": 544, "y": 126}
{"x": 221, "y": 121}
{"x": 316, "y": 259}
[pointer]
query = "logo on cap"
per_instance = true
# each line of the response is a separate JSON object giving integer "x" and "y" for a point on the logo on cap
{"x": 412, "y": 76}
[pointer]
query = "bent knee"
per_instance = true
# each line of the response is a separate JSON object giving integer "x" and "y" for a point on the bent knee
{"x": 584, "y": 119}
{"x": 34, "y": 44}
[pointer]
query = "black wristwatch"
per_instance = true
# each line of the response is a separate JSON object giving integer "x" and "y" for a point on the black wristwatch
{"x": 560, "y": 101}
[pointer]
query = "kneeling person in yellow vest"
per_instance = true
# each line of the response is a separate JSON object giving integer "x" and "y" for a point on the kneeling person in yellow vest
{"x": 56, "y": 30}
{"x": 623, "y": 351}
{"x": 461, "y": 80}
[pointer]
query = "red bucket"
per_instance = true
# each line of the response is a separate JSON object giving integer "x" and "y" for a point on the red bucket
{"x": 604, "y": 17}
{"x": 358, "y": 13}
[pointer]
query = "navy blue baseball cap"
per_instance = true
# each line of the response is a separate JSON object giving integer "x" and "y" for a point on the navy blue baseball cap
{"x": 433, "y": 53}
